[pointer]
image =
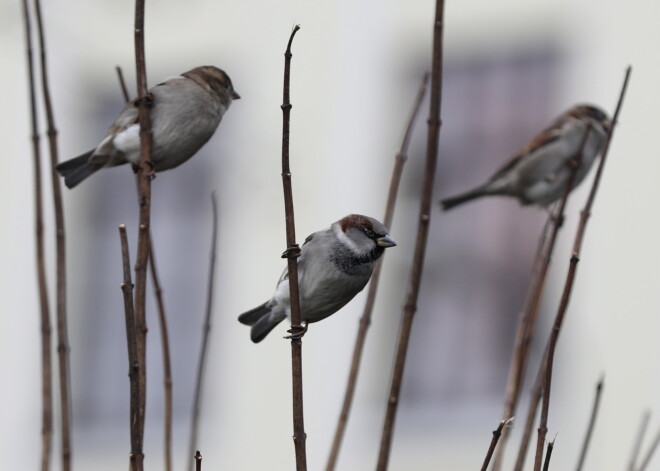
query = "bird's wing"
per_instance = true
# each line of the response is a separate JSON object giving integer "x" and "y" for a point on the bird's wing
{"x": 552, "y": 133}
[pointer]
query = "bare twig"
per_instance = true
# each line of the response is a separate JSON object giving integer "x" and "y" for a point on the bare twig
{"x": 60, "y": 247}
{"x": 365, "y": 321}
{"x": 44, "y": 308}
{"x": 570, "y": 277}
{"x": 527, "y": 322}
{"x": 291, "y": 253}
{"x": 497, "y": 433}
{"x": 167, "y": 363}
{"x": 637, "y": 445}
{"x": 548, "y": 455}
{"x": 592, "y": 422}
{"x": 201, "y": 364}
{"x": 131, "y": 342}
{"x": 145, "y": 174}
{"x": 410, "y": 306}
{"x": 122, "y": 84}
{"x": 162, "y": 320}
{"x": 649, "y": 454}
{"x": 198, "y": 461}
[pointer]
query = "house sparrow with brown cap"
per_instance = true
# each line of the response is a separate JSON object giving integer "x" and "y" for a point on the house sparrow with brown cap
{"x": 185, "y": 112}
{"x": 539, "y": 173}
{"x": 334, "y": 265}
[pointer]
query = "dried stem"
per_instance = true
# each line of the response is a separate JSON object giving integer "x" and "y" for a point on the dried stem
{"x": 201, "y": 364}
{"x": 548, "y": 455}
{"x": 198, "y": 461}
{"x": 60, "y": 247}
{"x": 637, "y": 445}
{"x": 497, "y": 433}
{"x": 527, "y": 322}
{"x": 649, "y": 454}
{"x": 410, "y": 306}
{"x": 145, "y": 174}
{"x": 365, "y": 321}
{"x": 44, "y": 308}
{"x": 592, "y": 422}
{"x": 122, "y": 84}
{"x": 162, "y": 320}
{"x": 136, "y": 455}
{"x": 291, "y": 253}
{"x": 167, "y": 364}
{"x": 570, "y": 277}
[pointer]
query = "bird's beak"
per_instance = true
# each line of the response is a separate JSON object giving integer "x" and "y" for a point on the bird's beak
{"x": 385, "y": 241}
{"x": 234, "y": 95}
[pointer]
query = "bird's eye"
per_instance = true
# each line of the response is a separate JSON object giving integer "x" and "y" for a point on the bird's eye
{"x": 371, "y": 234}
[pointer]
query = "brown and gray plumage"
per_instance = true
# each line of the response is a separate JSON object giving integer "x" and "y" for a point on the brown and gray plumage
{"x": 334, "y": 265}
{"x": 539, "y": 173}
{"x": 185, "y": 112}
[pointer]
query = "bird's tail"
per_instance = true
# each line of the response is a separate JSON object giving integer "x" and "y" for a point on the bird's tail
{"x": 262, "y": 319}
{"x": 449, "y": 203}
{"x": 76, "y": 170}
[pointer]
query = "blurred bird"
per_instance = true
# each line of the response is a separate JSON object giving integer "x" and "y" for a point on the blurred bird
{"x": 539, "y": 173}
{"x": 185, "y": 112}
{"x": 334, "y": 265}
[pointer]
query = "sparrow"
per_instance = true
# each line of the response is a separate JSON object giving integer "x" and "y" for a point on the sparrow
{"x": 334, "y": 265}
{"x": 539, "y": 173}
{"x": 185, "y": 112}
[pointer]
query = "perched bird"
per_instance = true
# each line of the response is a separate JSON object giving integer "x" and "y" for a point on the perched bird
{"x": 539, "y": 173}
{"x": 334, "y": 265}
{"x": 185, "y": 112}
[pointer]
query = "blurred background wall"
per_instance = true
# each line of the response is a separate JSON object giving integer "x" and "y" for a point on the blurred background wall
{"x": 510, "y": 67}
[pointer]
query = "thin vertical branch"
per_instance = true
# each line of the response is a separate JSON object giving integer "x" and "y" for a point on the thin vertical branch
{"x": 291, "y": 253}
{"x": 649, "y": 454}
{"x": 201, "y": 364}
{"x": 497, "y": 433}
{"x": 122, "y": 84}
{"x": 198, "y": 461}
{"x": 145, "y": 174}
{"x": 60, "y": 249}
{"x": 162, "y": 320}
{"x": 637, "y": 445}
{"x": 527, "y": 322}
{"x": 44, "y": 308}
{"x": 410, "y": 306}
{"x": 548, "y": 455}
{"x": 167, "y": 363}
{"x": 592, "y": 422}
{"x": 570, "y": 277}
{"x": 365, "y": 321}
{"x": 136, "y": 457}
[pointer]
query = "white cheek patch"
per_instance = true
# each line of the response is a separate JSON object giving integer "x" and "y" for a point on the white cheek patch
{"x": 128, "y": 141}
{"x": 343, "y": 238}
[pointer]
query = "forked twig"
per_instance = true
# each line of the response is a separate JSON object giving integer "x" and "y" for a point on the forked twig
{"x": 497, "y": 433}
{"x": 201, "y": 364}
{"x": 570, "y": 278}
{"x": 637, "y": 445}
{"x": 291, "y": 253}
{"x": 63, "y": 348}
{"x": 649, "y": 454}
{"x": 592, "y": 422}
{"x": 365, "y": 320}
{"x": 44, "y": 307}
{"x": 410, "y": 306}
{"x": 162, "y": 320}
